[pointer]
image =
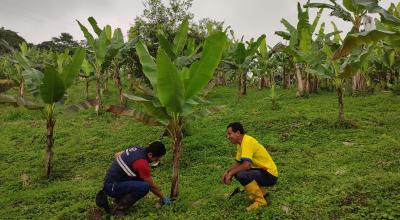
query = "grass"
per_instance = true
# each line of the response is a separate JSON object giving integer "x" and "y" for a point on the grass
{"x": 325, "y": 172}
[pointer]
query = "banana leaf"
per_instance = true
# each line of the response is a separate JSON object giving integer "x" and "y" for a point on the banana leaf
{"x": 33, "y": 79}
{"x": 356, "y": 40}
{"x": 81, "y": 106}
{"x": 87, "y": 34}
{"x": 72, "y": 68}
{"x": 6, "y": 85}
{"x": 52, "y": 88}
{"x": 202, "y": 71}
{"x": 352, "y": 6}
{"x": 240, "y": 53}
{"x": 19, "y": 101}
{"x": 95, "y": 27}
{"x": 168, "y": 48}
{"x": 117, "y": 42}
{"x": 372, "y": 7}
{"x": 337, "y": 10}
{"x": 316, "y": 20}
{"x": 138, "y": 115}
{"x": 100, "y": 48}
{"x": 283, "y": 34}
{"x": 148, "y": 65}
{"x": 181, "y": 37}
{"x": 170, "y": 89}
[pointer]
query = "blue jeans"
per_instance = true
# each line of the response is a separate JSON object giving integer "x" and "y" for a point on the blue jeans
{"x": 138, "y": 189}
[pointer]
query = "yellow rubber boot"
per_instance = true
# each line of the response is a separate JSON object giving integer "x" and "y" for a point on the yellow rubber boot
{"x": 263, "y": 190}
{"x": 257, "y": 194}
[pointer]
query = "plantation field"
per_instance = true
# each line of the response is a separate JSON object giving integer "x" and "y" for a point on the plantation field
{"x": 325, "y": 172}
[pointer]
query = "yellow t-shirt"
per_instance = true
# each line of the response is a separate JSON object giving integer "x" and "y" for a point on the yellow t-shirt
{"x": 254, "y": 152}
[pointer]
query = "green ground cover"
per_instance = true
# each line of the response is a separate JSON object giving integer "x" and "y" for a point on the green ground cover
{"x": 325, "y": 172}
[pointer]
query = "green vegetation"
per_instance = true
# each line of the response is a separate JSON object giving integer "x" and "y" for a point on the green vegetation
{"x": 326, "y": 172}
{"x": 337, "y": 155}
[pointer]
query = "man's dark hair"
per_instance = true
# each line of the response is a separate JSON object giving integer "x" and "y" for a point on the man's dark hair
{"x": 236, "y": 126}
{"x": 156, "y": 148}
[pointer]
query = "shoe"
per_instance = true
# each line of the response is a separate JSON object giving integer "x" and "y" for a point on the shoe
{"x": 123, "y": 204}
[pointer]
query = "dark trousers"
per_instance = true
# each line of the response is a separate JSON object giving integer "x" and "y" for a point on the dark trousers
{"x": 262, "y": 177}
{"x": 137, "y": 189}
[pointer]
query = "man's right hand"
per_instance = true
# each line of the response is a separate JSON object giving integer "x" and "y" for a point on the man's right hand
{"x": 223, "y": 177}
{"x": 226, "y": 178}
{"x": 165, "y": 201}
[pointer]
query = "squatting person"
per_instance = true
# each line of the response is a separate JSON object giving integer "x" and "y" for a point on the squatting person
{"x": 254, "y": 167}
{"x": 129, "y": 178}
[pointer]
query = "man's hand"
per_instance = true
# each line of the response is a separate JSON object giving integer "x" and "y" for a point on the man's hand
{"x": 226, "y": 178}
{"x": 165, "y": 201}
{"x": 223, "y": 177}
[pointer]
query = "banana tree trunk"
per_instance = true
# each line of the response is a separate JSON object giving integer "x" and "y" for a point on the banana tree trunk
{"x": 264, "y": 82}
{"x": 242, "y": 84}
{"x": 387, "y": 80}
{"x": 300, "y": 83}
{"x": 358, "y": 83}
{"x": 117, "y": 80}
{"x": 286, "y": 78}
{"x": 21, "y": 88}
{"x": 311, "y": 83}
{"x": 177, "y": 147}
{"x": 50, "y": 141}
{"x": 130, "y": 80}
{"x": 105, "y": 81}
{"x": 306, "y": 81}
{"x": 317, "y": 83}
{"x": 339, "y": 92}
{"x": 314, "y": 83}
{"x": 87, "y": 88}
{"x": 98, "y": 92}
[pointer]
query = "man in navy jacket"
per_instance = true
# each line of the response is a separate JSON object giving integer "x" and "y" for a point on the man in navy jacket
{"x": 129, "y": 177}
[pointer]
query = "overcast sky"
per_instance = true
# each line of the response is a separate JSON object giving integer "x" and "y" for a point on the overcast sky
{"x": 40, "y": 20}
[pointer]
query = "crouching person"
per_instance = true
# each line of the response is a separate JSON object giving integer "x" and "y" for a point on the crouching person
{"x": 254, "y": 167}
{"x": 129, "y": 178}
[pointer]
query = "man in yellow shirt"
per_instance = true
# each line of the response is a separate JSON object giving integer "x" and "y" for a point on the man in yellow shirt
{"x": 254, "y": 167}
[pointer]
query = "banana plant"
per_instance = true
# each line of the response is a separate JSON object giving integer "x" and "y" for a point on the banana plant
{"x": 240, "y": 57}
{"x": 12, "y": 69}
{"x": 354, "y": 11}
{"x": 104, "y": 49}
{"x": 383, "y": 63}
{"x": 8, "y": 73}
{"x": 173, "y": 95}
{"x": 358, "y": 41}
{"x": 88, "y": 75}
{"x": 48, "y": 88}
{"x": 130, "y": 62}
{"x": 273, "y": 63}
{"x": 113, "y": 60}
{"x": 261, "y": 68}
{"x": 305, "y": 51}
{"x": 352, "y": 56}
